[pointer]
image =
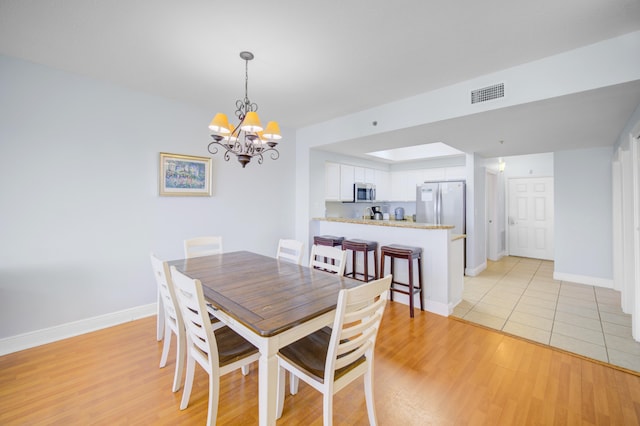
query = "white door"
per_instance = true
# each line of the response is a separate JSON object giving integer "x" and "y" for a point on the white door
{"x": 530, "y": 219}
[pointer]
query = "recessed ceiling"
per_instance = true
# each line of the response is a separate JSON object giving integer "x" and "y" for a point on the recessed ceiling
{"x": 416, "y": 152}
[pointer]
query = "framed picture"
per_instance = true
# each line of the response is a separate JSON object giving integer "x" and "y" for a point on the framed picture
{"x": 184, "y": 175}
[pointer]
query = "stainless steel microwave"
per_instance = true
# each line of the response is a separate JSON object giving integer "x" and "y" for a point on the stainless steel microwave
{"x": 364, "y": 192}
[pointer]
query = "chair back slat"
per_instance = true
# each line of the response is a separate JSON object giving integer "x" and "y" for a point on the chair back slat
{"x": 327, "y": 258}
{"x": 355, "y": 328}
{"x": 290, "y": 250}
{"x": 202, "y": 246}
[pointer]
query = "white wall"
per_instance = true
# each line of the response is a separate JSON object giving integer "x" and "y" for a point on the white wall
{"x": 583, "y": 216}
{"x": 80, "y": 206}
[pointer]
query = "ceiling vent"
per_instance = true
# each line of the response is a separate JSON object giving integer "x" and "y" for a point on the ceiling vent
{"x": 487, "y": 93}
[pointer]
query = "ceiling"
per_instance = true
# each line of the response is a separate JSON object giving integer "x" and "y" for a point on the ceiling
{"x": 315, "y": 61}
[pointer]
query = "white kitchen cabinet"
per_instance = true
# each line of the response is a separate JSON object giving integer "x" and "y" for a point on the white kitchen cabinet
{"x": 399, "y": 183}
{"x": 404, "y": 182}
{"x": 369, "y": 175}
{"x": 435, "y": 174}
{"x": 363, "y": 175}
{"x": 382, "y": 180}
{"x": 347, "y": 179}
{"x": 456, "y": 173}
{"x": 332, "y": 181}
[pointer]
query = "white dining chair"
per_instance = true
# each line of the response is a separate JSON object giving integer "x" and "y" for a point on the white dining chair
{"x": 327, "y": 258}
{"x": 290, "y": 250}
{"x": 172, "y": 319}
{"x": 218, "y": 352}
{"x": 202, "y": 246}
{"x": 331, "y": 358}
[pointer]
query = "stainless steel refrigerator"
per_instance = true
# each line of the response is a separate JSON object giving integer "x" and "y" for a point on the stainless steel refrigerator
{"x": 442, "y": 203}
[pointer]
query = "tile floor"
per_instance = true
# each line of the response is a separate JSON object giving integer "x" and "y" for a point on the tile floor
{"x": 519, "y": 296}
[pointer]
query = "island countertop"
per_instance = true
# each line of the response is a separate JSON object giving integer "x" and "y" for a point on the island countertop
{"x": 392, "y": 223}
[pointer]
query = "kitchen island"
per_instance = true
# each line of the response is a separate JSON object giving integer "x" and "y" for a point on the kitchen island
{"x": 442, "y": 254}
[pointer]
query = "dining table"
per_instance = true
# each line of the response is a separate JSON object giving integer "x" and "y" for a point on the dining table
{"x": 269, "y": 302}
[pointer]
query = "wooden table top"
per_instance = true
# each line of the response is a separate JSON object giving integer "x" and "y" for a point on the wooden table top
{"x": 264, "y": 294}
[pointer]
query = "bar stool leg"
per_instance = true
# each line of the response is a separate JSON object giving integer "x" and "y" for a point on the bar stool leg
{"x": 420, "y": 282}
{"x": 410, "y": 286}
{"x": 366, "y": 266}
{"x": 392, "y": 261}
{"x": 375, "y": 264}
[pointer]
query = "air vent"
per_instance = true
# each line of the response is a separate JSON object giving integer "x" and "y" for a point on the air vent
{"x": 487, "y": 93}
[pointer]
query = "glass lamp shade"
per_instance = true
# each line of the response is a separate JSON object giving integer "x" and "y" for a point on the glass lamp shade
{"x": 251, "y": 123}
{"x": 272, "y": 132}
{"x": 220, "y": 124}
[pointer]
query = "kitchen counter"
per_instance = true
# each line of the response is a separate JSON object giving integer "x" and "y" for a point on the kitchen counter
{"x": 394, "y": 223}
{"x": 443, "y": 254}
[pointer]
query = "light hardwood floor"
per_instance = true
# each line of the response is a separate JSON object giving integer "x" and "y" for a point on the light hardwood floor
{"x": 429, "y": 370}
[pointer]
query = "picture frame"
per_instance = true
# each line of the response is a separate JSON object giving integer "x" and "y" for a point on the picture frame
{"x": 184, "y": 175}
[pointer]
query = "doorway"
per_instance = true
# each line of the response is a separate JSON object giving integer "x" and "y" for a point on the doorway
{"x": 531, "y": 217}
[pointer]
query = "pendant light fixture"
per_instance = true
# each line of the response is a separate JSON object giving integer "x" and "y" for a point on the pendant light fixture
{"x": 248, "y": 139}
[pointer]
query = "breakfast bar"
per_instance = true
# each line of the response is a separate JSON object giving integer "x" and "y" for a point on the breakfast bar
{"x": 443, "y": 257}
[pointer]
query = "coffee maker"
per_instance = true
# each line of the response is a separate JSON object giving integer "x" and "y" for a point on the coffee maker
{"x": 377, "y": 212}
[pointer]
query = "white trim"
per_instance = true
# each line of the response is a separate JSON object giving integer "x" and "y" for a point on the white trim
{"x": 47, "y": 335}
{"x": 472, "y": 272}
{"x": 439, "y": 308}
{"x": 583, "y": 279}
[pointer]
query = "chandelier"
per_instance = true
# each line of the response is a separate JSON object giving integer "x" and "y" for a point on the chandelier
{"x": 248, "y": 139}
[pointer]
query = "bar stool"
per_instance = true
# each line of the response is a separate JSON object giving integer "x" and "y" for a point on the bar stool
{"x": 328, "y": 240}
{"x": 365, "y": 247}
{"x": 396, "y": 251}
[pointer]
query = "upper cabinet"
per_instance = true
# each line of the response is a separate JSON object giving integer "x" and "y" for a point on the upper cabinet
{"x": 434, "y": 174}
{"x": 347, "y": 179}
{"x": 382, "y": 180}
{"x": 363, "y": 175}
{"x": 455, "y": 173}
{"x": 332, "y": 181}
{"x": 390, "y": 186}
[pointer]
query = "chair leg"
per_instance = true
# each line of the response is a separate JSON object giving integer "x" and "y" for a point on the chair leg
{"x": 327, "y": 407}
{"x": 293, "y": 383}
{"x": 165, "y": 346}
{"x": 214, "y": 393}
{"x": 246, "y": 369}
{"x": 188, "y": 382}
{"x": 368, "y": 395}
{"x": 177, "y": 378}
{"x": 280, "y": 395}
{"x": 159, "y": 317}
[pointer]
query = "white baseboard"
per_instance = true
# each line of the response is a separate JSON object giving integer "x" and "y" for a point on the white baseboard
{"x": 583, "y": 279}
{"x": 40, "y": 337}
{"x": 472, "y": 272}
{"x": 439, "y": 308}
{"x": 429, "y": 305}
